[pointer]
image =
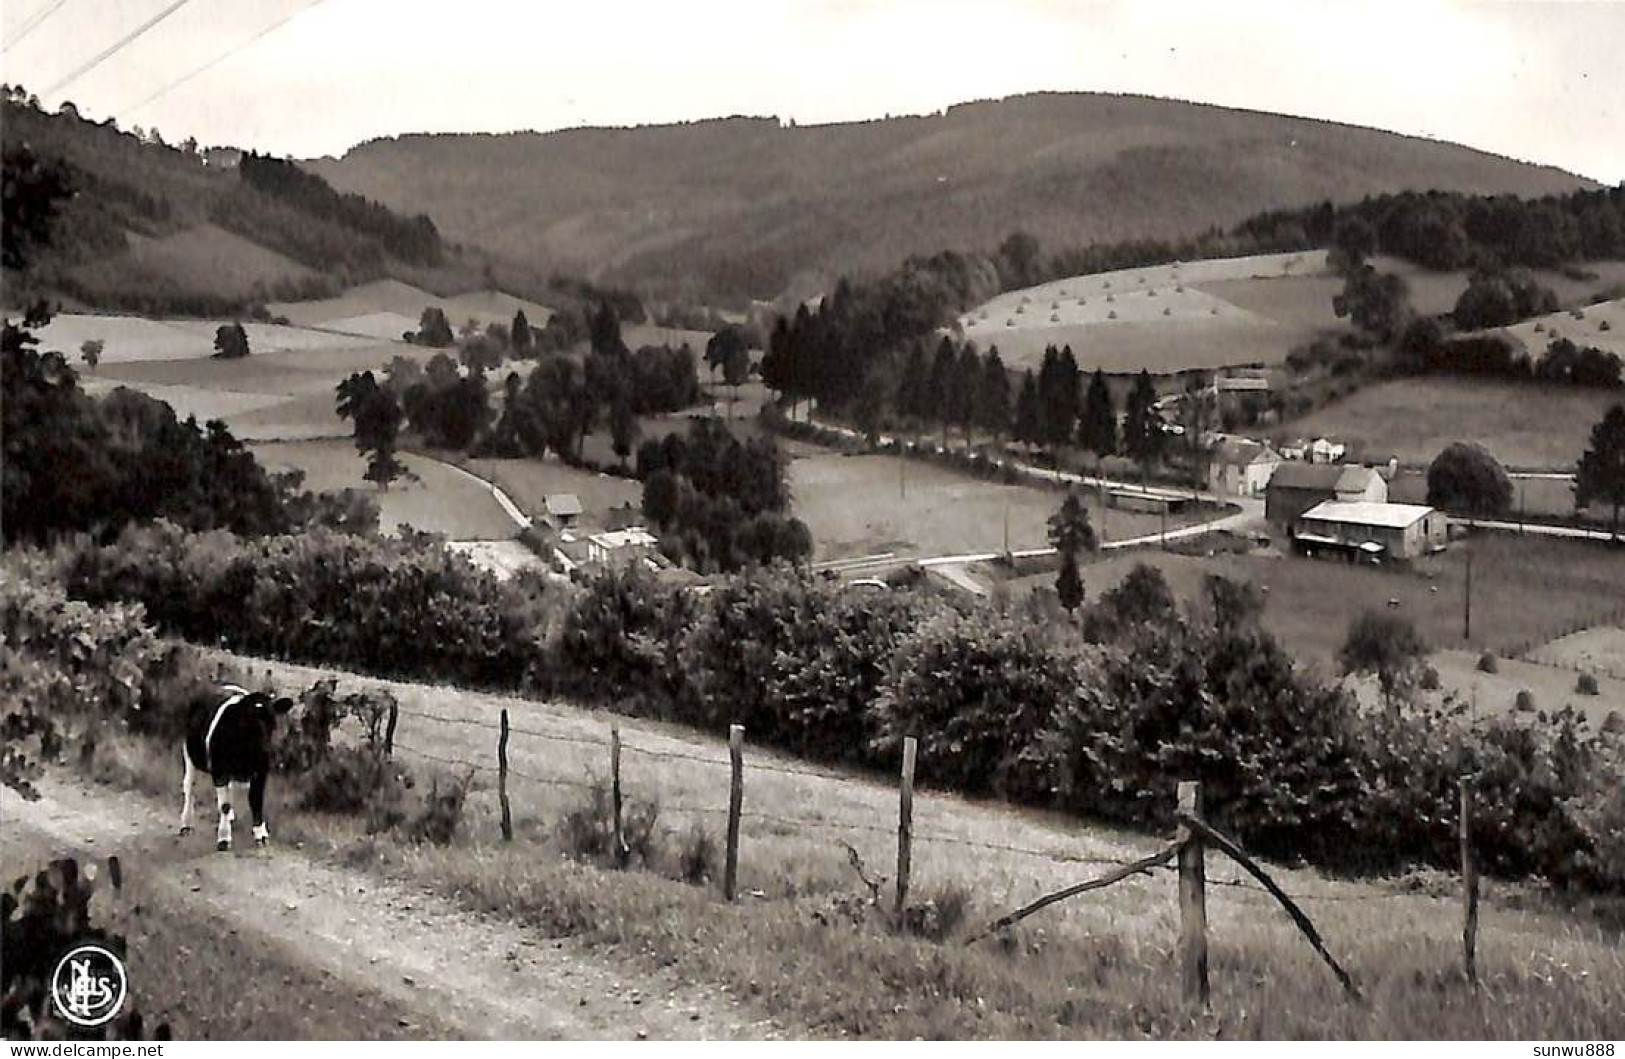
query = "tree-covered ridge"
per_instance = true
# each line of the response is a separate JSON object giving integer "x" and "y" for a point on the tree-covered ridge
{"x": 412, "y": 239}
{"x": 160, "y": 228}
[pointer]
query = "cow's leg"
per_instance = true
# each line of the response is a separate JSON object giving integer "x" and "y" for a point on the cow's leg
{"x": 256, "y": 806}
{"x": 186, "y": 792}
{"x": 222, "y": 798}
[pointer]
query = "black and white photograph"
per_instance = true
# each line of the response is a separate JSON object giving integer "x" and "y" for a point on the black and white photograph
{"x": 813, "y": 521}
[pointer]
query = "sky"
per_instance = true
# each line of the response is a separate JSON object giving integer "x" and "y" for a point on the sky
{"x": 1534, "y": 80}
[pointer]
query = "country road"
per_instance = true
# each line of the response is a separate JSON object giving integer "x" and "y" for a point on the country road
{"x": 358, "y": 955}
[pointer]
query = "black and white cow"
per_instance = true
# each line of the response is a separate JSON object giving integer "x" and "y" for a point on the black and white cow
{"x": 231, "y": 741}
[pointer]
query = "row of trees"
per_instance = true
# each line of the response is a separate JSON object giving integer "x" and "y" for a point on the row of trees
{"x": 1448, "y": 230}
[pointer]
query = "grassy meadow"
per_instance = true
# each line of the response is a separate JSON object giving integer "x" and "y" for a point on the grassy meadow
{"x": 437, "y": 499}
{"x": 1526, "y": 427}
{"x": 1526, "y": 591}
{"x": 1166, "y": 318}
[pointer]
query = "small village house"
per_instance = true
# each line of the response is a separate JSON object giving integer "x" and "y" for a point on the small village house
{"x": 1364, "y": 529}
{"x": 563, "y": 510}
{"x": 1240, "y": 467}
{"x": 617, "y": 549}
{"x": 1296, "y": 487}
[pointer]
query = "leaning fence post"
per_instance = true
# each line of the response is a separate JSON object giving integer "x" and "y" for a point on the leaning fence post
{"x": 502, "y": 779}
{"x": 905, "y": 822}
{"x": 621, "y": 851}
{"x": 389, "y": 730}
{"x": 1192, "y": 898}
{"x": 736, "y": 797}
{"x": 1469, "y": 884}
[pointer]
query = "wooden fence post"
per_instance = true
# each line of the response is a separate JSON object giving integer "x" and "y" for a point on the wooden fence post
{"x": 905, "y": 822}
{"x": 1192, "y": 899}
{"x": 736, "y": 796}
{"x": 621, "y": 852}
{"x": 502, "y": 779}
{"x": 1469, "y": 885}
{"x": 389, "y": 730}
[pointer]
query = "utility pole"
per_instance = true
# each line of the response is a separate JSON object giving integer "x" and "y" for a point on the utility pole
{"x": 1467, "y": 602}
{"x": 1007, "y": 528}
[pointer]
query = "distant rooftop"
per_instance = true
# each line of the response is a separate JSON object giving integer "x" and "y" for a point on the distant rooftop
{"x": 563, "y": 504}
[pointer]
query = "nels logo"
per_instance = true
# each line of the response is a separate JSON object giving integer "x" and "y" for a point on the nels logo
{"x": 89, "y": 986}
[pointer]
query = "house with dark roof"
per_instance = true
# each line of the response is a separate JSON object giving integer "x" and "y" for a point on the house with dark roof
{"x": 1241, "y": 467}
{"x": 1296, "y": 487}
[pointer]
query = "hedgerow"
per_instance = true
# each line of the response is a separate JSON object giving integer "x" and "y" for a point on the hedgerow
{"x": 1002, "y": 700}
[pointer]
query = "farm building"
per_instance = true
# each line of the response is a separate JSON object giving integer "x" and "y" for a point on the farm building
{"x": 563, "y": 509}
{"x": 1296, "y": 487}
{"x": 1239, "y": 467}
{"x": 620, "y": 548}
{"x": 1370, "y": 529}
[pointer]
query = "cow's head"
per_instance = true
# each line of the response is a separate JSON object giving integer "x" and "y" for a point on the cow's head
{"x": 266, "y": 708}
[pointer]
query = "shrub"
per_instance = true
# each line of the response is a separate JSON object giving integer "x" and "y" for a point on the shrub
{"x": 697, "y": 856}
{"x": 1587, "y": 684}
{"x": 438, "y": 818}
{"x": 1487, "y": 663}
{"x": 1525, "y": 701}
{"x": 351, "y": 780}
{"x": 940, "y": 916}
{"x": 1429, "y": 680}
{"x": 587, "y": 829}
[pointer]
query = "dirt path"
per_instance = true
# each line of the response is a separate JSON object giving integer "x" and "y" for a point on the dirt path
{"x": 455, "y": 972}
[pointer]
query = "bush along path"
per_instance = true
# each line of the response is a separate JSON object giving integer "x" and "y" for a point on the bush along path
{"x": 433, "y": 968}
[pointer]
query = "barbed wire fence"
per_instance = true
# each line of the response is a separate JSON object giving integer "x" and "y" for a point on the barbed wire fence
{"x": 1183, "y": 856}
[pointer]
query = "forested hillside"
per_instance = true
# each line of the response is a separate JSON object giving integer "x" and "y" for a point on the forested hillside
{"x": 154, "y": 228}
{"x": 744, "y": 207}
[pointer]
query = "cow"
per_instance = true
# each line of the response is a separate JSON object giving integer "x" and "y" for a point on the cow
{"x": 231, "y": 741}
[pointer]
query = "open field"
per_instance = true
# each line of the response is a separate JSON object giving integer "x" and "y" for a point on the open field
{"x": 1553, "y": 687}
{"x": 135, "y": 338}
{"x": 854, "y": 506}
{"x": 1526, "y": 591}
{"x": 1542, "y": 498}
{"x": 442, "y": 500}
{"x": 1166, "y": 318}
{"x": 1596, "y": 650}
{"x": 1434, "y": 293}
{"x": 1095, "y": 966}
{"x": 1601, "y": 325}
{"x": 1526, "y": 427}
{"x": 209, "y": 258}
{"x": 379, "y": 296}
{"x": 529, "y": 482}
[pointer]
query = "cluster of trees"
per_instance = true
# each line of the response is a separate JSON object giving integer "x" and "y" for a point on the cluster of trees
{"x": 78, "y": 464}
{"x": 1446, "y": 230}
{"x": 1498, "y": 297}
{"x": 412, "y": 239}
{"x": 552, "y": 408}
{"x": 719, "y": 502}
{"x": 230, "y": 342}
{"x": 1426, "y": 349}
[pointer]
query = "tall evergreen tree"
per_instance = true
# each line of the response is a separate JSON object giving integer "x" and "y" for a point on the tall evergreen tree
{"x": 1048, "y": 395}
{"x": 940, "y": 391}
{"x": 1142, "y": 428}
{"x": 913, "y": 384}
{"x": 1097, "y": 427}
{"x": 994, "y": 403}
{"x": 605, "y": 332}
{"x": 968, "y": 390}
{"x": 519, "y": 335}
{"x": 1068, "y": 399}
{"x": 1026, "y": 426}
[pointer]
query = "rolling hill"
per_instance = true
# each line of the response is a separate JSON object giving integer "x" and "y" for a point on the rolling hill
{"x": 745, "y": 207}
{"x": 152, "y": 228}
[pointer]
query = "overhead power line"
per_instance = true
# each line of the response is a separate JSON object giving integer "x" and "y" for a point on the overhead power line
{"x": 116, "y": 47}
{"x": 218, "y": 59}
{"x": 33, "y": 22}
